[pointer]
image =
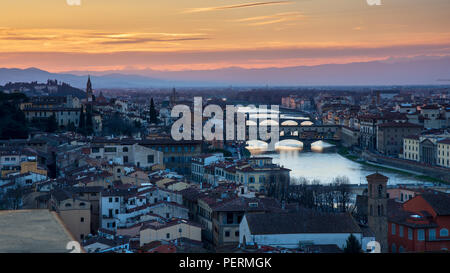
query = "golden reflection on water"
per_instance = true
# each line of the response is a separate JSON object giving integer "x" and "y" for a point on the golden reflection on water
{"x": 257, "y": 149}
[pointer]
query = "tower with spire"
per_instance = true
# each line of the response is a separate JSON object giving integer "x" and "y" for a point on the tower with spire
{"x": 173, "y": 98}
{"x": 89, "y": 93}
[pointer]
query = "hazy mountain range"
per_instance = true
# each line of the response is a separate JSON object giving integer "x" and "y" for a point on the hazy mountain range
{"x": 415, "y": 71}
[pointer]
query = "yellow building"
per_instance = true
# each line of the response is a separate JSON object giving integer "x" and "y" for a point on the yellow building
{"x": 443, "y": 153}
{"x": 411, "y": 147}
{"x": 74, "y": 212}
{"x": 162, "y": 231}
{"x": 25, "y": 167}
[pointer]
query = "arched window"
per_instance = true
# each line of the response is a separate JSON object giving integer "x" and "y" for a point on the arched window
{"x": 82, "y": 204}
{"x": 68, "y": 205}
{"x": 443, "y": 232}
{"x": 380, "y": 190}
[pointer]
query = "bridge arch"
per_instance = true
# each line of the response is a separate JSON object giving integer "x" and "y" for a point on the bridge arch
{"x": 289, "y": 143}
{"x": 289, "y": 123}
{"x": 268, "y": 122}
{"x": 257, "y": 144}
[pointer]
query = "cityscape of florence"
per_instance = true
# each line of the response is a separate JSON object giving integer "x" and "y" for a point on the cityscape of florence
{"x": 241, "y": 127}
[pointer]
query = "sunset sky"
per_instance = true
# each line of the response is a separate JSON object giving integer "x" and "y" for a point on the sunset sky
{"x": 130, "y": 35}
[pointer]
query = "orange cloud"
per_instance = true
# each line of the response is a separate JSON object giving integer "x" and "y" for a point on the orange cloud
{"x": 248, "y": 5}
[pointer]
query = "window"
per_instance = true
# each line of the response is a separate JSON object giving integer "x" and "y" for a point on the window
{"x": 168, "y": 235}
{"x": 393, "y": 229}
{"x": 229, "y": 218}
{"x": 432, "y": 234}
{"x": 394, "y": 248}
{"x": 117, "y": 199}
{"x": 380, "y": 190}
{"x": 82, "y": 219}
{"x": 110, "y": 200}
{"x": 68, "y": 205}
{"x": 421, "y": 235}
{"x": 110, "y": 149}
{"x": 443, "y": 232}
{"x": 150, "y": 158}
{"x": 400, "y": 231}
{"x": 236, "y": 233}
{"x": 410, "y": 234}
{"x": 125, "y": 149}
{"x": 125, "y": 159}
{"x": 82, "y": 204}
{"x": 251, "y": 179}
{"x": 227, "y": 233}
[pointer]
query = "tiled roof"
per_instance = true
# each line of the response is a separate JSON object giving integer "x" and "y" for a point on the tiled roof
{"x": 439, "y": 201}
{"x": 377, "y": 176}
{"x": 399, "y": 124}
{"x": 301, "y": 222}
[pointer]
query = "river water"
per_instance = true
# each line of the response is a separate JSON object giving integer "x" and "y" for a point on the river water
{"x": 324, "y": 163}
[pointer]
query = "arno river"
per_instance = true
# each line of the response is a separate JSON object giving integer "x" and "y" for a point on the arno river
{"x": 324, "y": 163}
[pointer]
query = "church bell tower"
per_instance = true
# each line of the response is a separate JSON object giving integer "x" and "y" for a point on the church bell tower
{"x": 89, "y": 93}
{"x": 377, "y": 206}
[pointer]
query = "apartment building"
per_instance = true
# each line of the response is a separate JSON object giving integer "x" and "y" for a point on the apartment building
{"x": 127, "y": 153}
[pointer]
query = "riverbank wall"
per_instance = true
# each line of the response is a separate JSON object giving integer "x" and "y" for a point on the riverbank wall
{"x": 431, "y": 171}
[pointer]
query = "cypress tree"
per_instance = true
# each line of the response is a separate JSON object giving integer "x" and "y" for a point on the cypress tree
{"x": 153, "y": 114}
{"x": 352, "y": 245}
{"x": 89, "y": 123}
{"x": 82, "y": 123}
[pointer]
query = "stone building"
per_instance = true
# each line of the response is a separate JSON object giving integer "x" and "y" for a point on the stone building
{"x": 390, "y": 136}
{"x": 377, "y": 204}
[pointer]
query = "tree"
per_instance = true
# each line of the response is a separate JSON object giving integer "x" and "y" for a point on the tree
{"x": 52, "y": 124}
{"x": 71, "y": 127}
{"x": 115, "y": 124}
{"x": 89, "y": 122}
{"x": 153, "y": 113}
{"x": 12, "y": 199}
{"x": 343, "y": 192}
{"x": 352, "y": 245}
{"x": 13, "y": 123}
{"x": 82, "y": 123}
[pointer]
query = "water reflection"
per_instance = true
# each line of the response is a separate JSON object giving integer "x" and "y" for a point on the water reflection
{"x": 323, "y": 163}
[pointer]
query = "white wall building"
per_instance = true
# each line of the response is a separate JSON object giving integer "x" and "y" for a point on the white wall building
{"x": 290, "y": 230}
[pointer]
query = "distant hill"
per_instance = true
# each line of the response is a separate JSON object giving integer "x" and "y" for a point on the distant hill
{"x": 51, "y": 87}
{"x": 114, "y": 80}
{"x": 422, "y": 70}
